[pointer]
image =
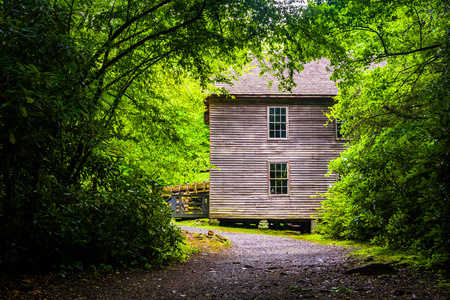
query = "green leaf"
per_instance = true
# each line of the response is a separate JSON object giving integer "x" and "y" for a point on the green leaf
{"x": 24, "y": 111}
{"x": 12, "y": 138}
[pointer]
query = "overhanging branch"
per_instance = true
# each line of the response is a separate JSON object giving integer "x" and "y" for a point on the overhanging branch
{"x": 148, "y": 38}
{"x": 410, "y": 52}
{"x": 126, "y": 25}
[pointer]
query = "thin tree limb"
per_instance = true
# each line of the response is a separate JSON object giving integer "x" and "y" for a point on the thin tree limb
{"x": 146, "y": 39}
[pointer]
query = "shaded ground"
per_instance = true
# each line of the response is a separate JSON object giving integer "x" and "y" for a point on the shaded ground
{"x": 256, "y": 267}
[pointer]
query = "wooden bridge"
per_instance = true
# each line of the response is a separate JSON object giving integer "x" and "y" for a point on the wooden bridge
{"x": 189, "y": 201}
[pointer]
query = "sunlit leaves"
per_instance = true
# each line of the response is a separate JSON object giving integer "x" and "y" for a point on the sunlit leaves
{"x": 99, "y": 99}
{"x": 163, "y": 128}
{"x": 390, "y": 61}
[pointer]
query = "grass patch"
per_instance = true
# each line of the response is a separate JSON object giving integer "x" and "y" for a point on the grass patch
{"x": 323, "y": 240}
{"x": 204, "y": 223}
{"x": 195, "y": 243}
{"x": 315, "y": 238}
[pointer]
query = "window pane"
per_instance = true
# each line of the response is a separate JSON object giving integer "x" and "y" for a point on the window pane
{"x": 278, "y": 180}
{"x": 338, "y": 130}
{"x": 272, "y": 187}
{"x": 277, "y": 122}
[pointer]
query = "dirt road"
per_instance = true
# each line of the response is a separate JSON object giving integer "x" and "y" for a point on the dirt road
{"x": 268, "y": 267}
{"x": 255, "y": 267}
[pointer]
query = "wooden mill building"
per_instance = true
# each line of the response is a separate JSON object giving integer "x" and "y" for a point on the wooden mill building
{"x": 272, "y": 148}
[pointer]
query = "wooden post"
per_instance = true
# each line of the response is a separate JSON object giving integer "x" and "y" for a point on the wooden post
{"x": 173, "y": 201}
{"x": 203, "y": 204}
{"x": 313, "y": 224}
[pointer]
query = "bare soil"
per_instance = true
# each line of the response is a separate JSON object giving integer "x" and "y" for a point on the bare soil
{"x": 255, "y": 267}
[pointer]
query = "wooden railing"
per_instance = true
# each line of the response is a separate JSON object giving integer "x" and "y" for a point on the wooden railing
{"x": 188, "y": 188}
{"x": 192, "y": 206}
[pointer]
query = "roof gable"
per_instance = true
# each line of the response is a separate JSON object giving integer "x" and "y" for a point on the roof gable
{"x": 314, "y": 80}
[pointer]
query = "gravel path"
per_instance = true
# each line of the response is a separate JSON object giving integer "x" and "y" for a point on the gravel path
{"x": 255, "y": 267}
{"x": 260, "y": 250}
{"x": 268, "y": 267}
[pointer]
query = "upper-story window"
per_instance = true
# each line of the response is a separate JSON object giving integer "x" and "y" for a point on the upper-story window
{"x": 339, "y": 131}
{"x": 339, "y": 135}
{"x": 278, "y": 122}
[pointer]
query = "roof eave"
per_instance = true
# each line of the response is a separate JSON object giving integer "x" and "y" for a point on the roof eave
{"x": 248, "y": 96}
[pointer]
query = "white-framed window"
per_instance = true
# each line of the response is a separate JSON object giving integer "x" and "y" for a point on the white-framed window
{"x": 278, "y": 178}
{"x": 277, "y": 122}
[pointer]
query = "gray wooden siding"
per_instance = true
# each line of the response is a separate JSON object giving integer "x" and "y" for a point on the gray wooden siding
{"x": 241, "y": 150}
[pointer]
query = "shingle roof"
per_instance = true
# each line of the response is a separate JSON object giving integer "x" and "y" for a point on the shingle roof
{"x": 314, "y": 80}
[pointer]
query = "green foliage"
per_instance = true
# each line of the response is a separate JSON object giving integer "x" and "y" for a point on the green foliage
{"x": 171, "y": 128}
{"x": 46, "y": 116}
{"x": 126, "y": 225}
{"x": 97, "y": 101}
{"x": 392, "y": 191}
{"x": 125, "y": 222}
{"x": 391, "y": 61}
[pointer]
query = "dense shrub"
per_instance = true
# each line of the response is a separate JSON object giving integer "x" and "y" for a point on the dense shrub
{"x": 128, "y": 223}
{"x": 394, "y": 187}
{"x": 64, "y": 201}
{"x": 395, "y": 175}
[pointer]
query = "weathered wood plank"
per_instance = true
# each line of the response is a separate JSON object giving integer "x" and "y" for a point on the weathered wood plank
{"x": 189, "y": 205}
{"x": 241, "y": 150}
